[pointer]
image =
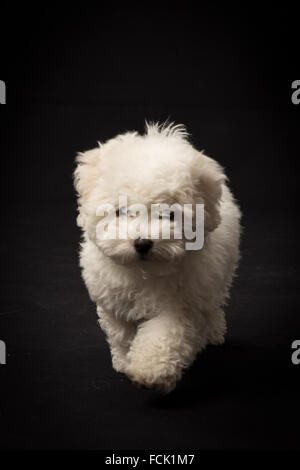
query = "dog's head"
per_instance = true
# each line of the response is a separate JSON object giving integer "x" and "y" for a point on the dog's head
{"x": 135, "y": 184}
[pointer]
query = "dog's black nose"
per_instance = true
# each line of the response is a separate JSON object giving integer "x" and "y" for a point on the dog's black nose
{"x": 143, "y": 245}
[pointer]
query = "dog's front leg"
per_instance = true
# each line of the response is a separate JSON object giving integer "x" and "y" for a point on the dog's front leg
{"x": 161, "y": 349}
{"x": 119, "y": 335}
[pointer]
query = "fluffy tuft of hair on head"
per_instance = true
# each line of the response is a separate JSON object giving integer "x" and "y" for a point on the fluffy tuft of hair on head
{"x": 166, "y": 129}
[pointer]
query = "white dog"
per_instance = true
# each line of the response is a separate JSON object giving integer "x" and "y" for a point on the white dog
{"x": 158, "y": 303}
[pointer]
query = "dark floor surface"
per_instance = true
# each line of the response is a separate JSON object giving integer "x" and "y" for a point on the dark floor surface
{"x": 58, "y": 389}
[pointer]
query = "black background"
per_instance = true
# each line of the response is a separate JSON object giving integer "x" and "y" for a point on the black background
{"x": 82, "y": 75}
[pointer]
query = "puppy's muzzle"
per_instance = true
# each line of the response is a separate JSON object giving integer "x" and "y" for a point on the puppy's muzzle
{"x": 143, "y": 245}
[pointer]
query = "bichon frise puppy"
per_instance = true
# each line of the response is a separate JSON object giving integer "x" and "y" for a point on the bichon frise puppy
{"x": 159, "y": 303}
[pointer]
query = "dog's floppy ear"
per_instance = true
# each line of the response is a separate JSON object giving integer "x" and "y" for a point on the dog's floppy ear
{"x": 85, "y": 177}
{"x": 209, "y": 187}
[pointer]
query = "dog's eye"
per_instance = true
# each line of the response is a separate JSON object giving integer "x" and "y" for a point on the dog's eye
{"x": 169, "y": 215}
{"x": 121, "y": 211}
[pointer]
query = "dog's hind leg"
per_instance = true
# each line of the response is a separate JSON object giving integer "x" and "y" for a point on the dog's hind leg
{"x": 217, "y": 327}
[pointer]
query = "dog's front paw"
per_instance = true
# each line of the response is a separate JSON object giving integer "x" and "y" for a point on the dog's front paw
{"x": 158, "y": 379}
{"x": 118, "y": 358}
{"x": 216, "y": 338}
{"x": 118, "y": 363}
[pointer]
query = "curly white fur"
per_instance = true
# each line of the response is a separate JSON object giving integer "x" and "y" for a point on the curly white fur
{"x": 160, "y": 312}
